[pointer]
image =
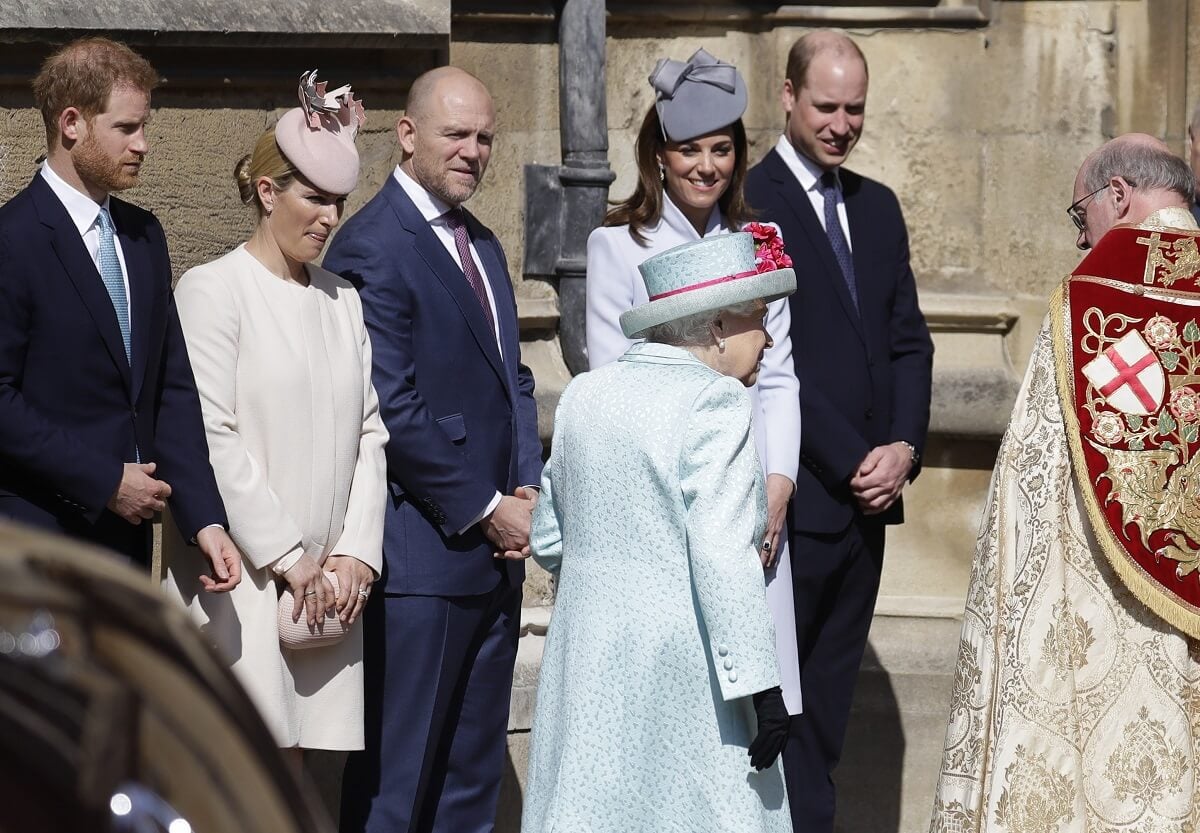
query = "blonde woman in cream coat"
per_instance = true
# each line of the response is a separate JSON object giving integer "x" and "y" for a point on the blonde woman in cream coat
{"x": 283, "y": 367}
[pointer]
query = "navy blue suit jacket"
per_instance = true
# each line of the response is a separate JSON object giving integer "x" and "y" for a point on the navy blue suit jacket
{"x": 461, "y": 418}
{"x": 72, "y": 408}
{"x": 864, "y": 377}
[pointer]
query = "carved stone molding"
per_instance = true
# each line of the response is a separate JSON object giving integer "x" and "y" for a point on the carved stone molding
{"x": 352, "y": 23}
{"x": 959, "y": 13}
{"x": 974, "y": 379}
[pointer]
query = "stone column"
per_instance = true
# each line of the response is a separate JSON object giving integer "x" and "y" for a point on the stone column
{"x": 564, "y": 204}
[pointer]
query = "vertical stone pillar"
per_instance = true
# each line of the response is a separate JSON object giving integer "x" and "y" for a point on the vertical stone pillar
{"x": 564, "y": 204}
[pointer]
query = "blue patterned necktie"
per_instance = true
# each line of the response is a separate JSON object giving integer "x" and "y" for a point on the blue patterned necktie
{"x": 833, "y": 229}
{"x": 114, "y": 280}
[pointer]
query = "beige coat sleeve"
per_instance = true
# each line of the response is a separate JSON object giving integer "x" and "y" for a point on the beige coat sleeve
{"x": 362, "y": 531}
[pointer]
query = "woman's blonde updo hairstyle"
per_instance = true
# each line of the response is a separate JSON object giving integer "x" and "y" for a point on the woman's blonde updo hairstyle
{"x": 266, "y": 160}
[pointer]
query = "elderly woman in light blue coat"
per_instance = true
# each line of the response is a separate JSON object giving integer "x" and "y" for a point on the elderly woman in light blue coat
{"x": 691, "y": 155}
{"x": 659, "y": 707}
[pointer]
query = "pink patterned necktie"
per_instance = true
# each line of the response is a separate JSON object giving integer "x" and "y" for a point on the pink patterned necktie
{"x": 454, "y": 219}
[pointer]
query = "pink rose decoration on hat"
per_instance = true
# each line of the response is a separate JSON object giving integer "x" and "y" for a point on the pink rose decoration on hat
{"x": 768, "y": 252}
{"x": 318, "y": 136}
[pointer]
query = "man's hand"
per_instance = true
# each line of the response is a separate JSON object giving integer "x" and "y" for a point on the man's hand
{"x": 881, "y": 477}
{"x": 508, "y": 525}
{"x": 223, "y": 555}
{"x": 139, "y": 495}
{"x": 779, "y": 493}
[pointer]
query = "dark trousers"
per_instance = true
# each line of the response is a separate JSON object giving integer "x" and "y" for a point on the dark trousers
{"x": 835, "y": 580}
{"x": 438, "y": 678}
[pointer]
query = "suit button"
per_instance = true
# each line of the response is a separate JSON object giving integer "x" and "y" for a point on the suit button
{"x": 728, "y": 665}
{"x": 733, "y": 676}
{"x": 723, "y": 651}
{"x": 868, "y": 413}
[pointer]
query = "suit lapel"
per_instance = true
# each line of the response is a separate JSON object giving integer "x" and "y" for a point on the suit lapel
{"x": 448, "y": 273}
{"x": 496, "y": 275}
{"x": 71, "y": 253}
{"x": 140, "y": 267}
{"x": 801, "y": 207}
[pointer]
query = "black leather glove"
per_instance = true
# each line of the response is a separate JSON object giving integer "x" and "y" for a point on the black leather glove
{"x": 773, "y": 724}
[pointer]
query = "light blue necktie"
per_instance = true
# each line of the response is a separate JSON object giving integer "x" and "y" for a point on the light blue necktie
{"x": 837, "y": 240}
{"x": 114, "y": 280}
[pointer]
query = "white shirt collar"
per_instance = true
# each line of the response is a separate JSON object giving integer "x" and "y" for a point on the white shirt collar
{"x": 82, "y": 209}
{"x": 430, "y": 206}
{"x": 674, "y": 219}
{"x": 807, "y": 172}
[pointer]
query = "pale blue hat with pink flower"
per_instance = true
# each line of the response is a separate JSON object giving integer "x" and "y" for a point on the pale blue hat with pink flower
{"x": 712, "y": 274}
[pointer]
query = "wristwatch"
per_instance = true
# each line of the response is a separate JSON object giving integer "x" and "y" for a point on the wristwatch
{"x": 914, "y": 456}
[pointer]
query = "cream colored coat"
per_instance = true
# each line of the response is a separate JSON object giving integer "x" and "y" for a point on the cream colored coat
{"x": 296, "y": 441}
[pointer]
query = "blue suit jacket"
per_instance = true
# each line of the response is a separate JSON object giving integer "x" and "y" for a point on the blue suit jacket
{"x": 865, "y": 377}
{"x": 461, "y": 419}
{"x": 72, "y": 408}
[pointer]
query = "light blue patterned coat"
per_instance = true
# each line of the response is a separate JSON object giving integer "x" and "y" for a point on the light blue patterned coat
{"x": 651, "y": 508}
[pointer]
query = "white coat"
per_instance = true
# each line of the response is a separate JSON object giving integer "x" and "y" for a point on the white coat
{"x": 296, "y": 442}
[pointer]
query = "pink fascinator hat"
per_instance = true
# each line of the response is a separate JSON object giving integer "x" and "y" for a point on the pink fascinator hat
{"x": 318, "y": 136}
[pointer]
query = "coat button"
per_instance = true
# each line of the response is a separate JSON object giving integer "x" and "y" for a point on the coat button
{"x": 728, "y": 664}
{"x": 868, "y": 413}
{"x": 733, "y": 676}
{"x": 723, "y": 651}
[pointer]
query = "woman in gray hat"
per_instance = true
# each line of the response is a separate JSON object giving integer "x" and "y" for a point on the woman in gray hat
{"x": 691, "y": 161}
{"x": 658, "y": 704}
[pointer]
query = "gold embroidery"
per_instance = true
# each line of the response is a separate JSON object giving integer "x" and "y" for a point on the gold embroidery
{"x": 1146, "y": 766}
{"x": 1186, "y": 262}
{"x": 1066, "y": 645}
{"x": 1035, "y": 797}
{"x": 954, "y": 818}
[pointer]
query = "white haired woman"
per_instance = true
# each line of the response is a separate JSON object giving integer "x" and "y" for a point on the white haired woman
{"x": 661, "y": 652}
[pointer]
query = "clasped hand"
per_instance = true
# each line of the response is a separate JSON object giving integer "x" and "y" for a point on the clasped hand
{"x": 881, "y": 477}
{"x": 312, "y": 592}
{"x": 139, "y": 495}
{"x": 507, "y": 527}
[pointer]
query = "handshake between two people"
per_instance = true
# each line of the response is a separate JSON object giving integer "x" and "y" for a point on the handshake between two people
{"x": 507, "y": 526}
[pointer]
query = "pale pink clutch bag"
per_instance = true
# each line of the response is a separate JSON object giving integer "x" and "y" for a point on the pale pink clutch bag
{"x": 298, "y": 635}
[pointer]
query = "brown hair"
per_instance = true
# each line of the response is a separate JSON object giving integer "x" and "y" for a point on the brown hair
{"x": 83, "y": 75}
{"x": 801, "y": 55}
{"x": 644, "y": 207}
{"x": 266, "y": 160}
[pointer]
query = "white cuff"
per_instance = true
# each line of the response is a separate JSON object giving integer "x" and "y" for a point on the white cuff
{"x": 487, "y": 510}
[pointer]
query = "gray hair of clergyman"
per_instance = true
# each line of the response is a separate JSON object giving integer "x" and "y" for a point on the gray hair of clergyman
{"x": 1142, "y": 166}
{"x": 695, "y": 330}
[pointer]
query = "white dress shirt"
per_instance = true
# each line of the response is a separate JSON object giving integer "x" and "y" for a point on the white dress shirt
{"x": 434, "y": 209}
{"x": 808, "y": 174}
{"x": 85, "y": 214}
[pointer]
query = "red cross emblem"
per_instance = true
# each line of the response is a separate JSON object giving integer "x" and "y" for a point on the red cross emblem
{"x": 1128, "y": 375}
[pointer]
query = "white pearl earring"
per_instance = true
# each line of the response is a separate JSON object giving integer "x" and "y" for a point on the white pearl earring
{"x": 721, "y": 345}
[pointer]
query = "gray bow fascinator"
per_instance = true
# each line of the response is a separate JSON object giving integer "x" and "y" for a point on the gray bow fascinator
{"x": 697, "y": 97}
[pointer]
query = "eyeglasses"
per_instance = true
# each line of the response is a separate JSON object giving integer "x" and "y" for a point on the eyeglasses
{"x": 1078, "y": 213}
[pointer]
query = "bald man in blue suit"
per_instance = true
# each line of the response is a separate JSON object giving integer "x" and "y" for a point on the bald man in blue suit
{"x": 463, "y": 455}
